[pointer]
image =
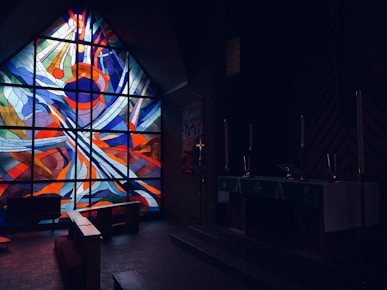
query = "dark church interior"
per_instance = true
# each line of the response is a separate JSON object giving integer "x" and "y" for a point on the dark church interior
{"x": 285, "y": 189}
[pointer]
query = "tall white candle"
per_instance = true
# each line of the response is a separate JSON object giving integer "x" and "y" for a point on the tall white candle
{"x": 360, "y": 137}
{"x": 302, "y": 134}
{"x": 226, "y": 146}
{"x": 251, "y": 138}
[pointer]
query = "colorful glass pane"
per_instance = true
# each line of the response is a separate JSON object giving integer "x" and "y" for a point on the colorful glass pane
{"x": 113, "y": 116}
{"x": 16, "y": 154}
{"x": 53, "y": 157}
{"x": 73, "y": 108}
{"x": 139, "y": 83}
{"x": 148, "y": 192}
{"x": 66, "y": 189}
{"x": 19, "y": 70}
{"x": 54, "y": 62}
{"x": 14, "y": 189}
{"x": 16, "y": 106}
{"x": 145, "y": 114}
{"x": 145, "y": 155}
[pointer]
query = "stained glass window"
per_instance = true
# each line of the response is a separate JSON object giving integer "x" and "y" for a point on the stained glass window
{"x": 79, "y": 118}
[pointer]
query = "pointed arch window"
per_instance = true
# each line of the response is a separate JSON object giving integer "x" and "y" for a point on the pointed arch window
{"x": 79, "y": 118}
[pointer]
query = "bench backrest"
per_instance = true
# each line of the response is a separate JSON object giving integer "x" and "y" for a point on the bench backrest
{"x": 39, "y": 207}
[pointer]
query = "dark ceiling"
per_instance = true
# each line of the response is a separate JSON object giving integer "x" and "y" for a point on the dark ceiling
{"x": 163, "y": 35}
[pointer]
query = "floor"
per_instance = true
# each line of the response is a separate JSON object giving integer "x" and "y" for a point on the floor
{"x": 269, "y": 267}
{"x": 29, "y": 261}
{"x": 171, "y": 257}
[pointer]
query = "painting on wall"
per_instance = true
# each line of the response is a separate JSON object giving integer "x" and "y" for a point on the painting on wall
{"x": 192, "y": 136}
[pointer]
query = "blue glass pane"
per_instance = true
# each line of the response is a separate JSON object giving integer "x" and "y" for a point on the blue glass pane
{"x": 112, "y": 68}
{"x": 19, "y": 70}
{"x": 113, "y": 115}
{"x": 148, "y": 192}
{"x": 139, "y": 83}
{"x": 145, "y": 114}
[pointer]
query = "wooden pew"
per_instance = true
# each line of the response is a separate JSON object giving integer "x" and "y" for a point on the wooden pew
{"x": 129, "y": 280}
{"x": 105, "y": 217}
{"x": 34, "y": 208}
{"x": 79, "y": 254}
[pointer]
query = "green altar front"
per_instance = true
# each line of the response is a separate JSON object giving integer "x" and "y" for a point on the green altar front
{"x": 317, "y": 217}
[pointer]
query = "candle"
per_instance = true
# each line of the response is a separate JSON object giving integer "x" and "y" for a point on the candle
{"x": 302, "y": 132}
{"x": 251, "y": 138}
{"x": 226, "y": 146}
{"x": 360, "y": 141}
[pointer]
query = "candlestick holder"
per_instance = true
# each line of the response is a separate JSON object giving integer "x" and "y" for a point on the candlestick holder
{"x": 363, "y": 241}
{"x": 289, "y": 170}
{"x": 247, "y": 174}
{"x": 332, "y": 167}
{"x": 302, "y": 145}
{"x": 247, "y": 165}
{"x": 226, "y": 170}
{"x": 302, "y": 163}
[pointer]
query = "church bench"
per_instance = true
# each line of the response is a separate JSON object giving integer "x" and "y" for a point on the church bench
{"x": 129, "y": 280}
{"x": 5, "y": 240}
{"x": 33, "y": 208}
{"x": 70, "y": 262}
{"x": 104, "y": 219}
{"x": 79, "y": 254}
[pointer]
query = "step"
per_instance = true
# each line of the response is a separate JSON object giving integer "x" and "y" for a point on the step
{"x": 245, "y": 270}
{"x": 259, "y": 263}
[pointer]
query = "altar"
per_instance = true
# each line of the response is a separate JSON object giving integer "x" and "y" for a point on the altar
{"x": 316, "y": 217}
